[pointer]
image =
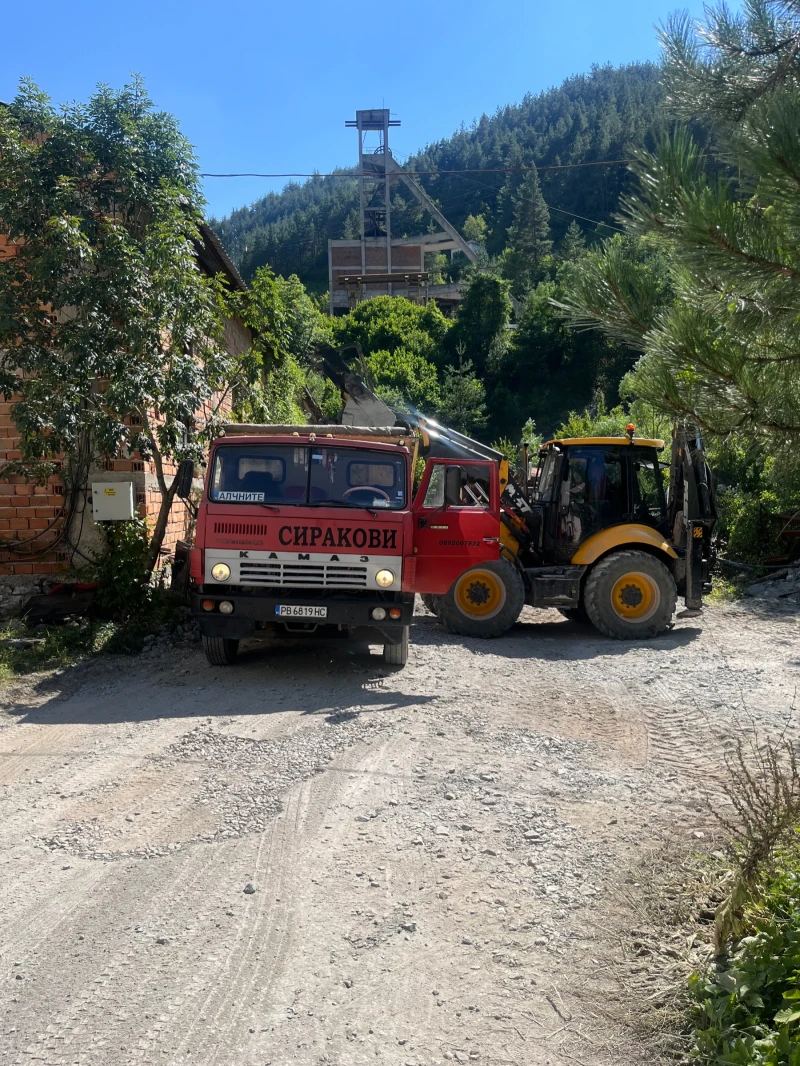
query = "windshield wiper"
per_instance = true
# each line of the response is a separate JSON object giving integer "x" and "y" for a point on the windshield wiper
{"x": 269, "y": 507}
{"x": 341, "y": 503}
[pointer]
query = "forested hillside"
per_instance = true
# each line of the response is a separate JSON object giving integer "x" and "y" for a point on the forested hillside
{"x": 589, "y": 118}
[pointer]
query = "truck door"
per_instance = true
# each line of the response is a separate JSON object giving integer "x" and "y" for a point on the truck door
{"x": 450, "y": 536}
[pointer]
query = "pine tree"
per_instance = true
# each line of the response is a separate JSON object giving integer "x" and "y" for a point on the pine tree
{"x": 529, "y": 240}
{"x": 463, "y": 398}
{"x": 573, "y": 246}
{"x": 722, "y": 350}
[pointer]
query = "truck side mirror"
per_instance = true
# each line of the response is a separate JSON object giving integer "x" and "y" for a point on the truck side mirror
{"x": 184, "y": 477}
{"x": 452, "y": 486}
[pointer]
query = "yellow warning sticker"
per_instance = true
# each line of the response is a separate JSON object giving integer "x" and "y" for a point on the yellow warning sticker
{"x": 109, "y": 492}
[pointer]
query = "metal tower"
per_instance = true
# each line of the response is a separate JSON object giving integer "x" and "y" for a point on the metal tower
{"x": 374, "y": 193}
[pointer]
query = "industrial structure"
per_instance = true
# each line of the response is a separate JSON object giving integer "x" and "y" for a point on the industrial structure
{"x": 377, "y": 263}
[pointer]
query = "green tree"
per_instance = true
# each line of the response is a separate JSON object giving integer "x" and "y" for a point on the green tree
{"x": 307, "y": 326}
{"x": 482, "y": 317}
{"x": 547, "y": 369}
{"x": 573, "y": 244}
{"x": 529, "y": 242}
{"x": 113, "y": 336}
{"x": 463, "y": 398}
{"x": 475, "y": 229}
{"x": 404, "y": 378}
{"x": 723, "y": 352}
{"x": 388, "y": 323}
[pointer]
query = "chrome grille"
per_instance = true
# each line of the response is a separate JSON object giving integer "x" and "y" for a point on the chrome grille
{"x": 319, "y": 575}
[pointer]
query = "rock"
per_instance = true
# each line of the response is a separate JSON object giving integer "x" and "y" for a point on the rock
{"x": 449, "y": 796}
{"x": 698, "y": 834}
{"x": 417, "y": 840}
{"x": 409, "y": 927}
{"x": 249, "y": 889}
{"x": 348, "y": 983}
{"x": 442, "y": 831}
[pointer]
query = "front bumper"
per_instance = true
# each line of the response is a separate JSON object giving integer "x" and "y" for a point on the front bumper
{"x": 256, "y": 610}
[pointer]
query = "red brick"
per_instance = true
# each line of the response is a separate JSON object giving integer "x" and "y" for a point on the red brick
{"x": 38, "y": 523}
{"x": 5, "y": 523}
{"x": 23, "y": 568}
{"x": 19, "y": 523}
{"x": 7, "y": 490}
{"x": 26, "y": 512}
{"x": 24, "y": 490}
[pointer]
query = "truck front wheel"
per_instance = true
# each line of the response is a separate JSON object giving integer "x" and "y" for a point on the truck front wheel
{"x": 397, "y": 654}
{"x": 630, "y": 595}
{"x": 220, "y": 651}
{"x": 484, "y": 602}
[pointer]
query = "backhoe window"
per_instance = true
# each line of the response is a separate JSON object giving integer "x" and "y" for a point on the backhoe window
{"x": 547, "y": 476}
{"x": 648, "y": 491}
{"x": 593, "y": 493}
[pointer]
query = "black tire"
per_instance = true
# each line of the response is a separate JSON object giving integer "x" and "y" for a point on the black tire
{"x": 220, "y": 651}
{"x": 428, "y": 601}
{"x": 501, "y": 582}
{"x": 397, "y": 654}
{"x": 576, "y": 614}
{"x": 630, "y": 595}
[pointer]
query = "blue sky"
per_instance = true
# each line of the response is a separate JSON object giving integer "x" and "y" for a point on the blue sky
{"x": 267, "y": 86}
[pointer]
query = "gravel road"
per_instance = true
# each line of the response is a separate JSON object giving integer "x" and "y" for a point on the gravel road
{"x": 313, "y": 858}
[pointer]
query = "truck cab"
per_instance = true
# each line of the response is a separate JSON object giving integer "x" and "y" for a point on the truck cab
{"x": 306, "y": 533}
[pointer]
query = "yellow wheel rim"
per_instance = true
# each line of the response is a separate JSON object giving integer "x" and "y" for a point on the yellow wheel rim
{"x": 480, "y": 594}
{"x": 635, "y": 597}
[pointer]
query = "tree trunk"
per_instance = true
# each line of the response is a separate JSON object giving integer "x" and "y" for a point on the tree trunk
{"x": 157, "y": 538}
{"x": 167, "y": 496}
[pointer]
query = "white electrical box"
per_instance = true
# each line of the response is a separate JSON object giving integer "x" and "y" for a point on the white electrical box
{"x": 112, "y": 501}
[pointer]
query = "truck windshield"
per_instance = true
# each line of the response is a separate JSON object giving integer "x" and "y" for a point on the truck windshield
{"x": 308, "y": 475}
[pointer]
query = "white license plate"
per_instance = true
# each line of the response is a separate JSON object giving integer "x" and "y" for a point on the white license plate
{"x": 292, "y": 610}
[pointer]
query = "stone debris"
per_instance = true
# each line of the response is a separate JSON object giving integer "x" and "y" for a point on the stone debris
{"x": 779, "y": 585}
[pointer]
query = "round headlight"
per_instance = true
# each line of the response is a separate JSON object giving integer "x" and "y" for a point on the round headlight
{"x": 384, "y": 578}
{"x": 378, "y": 613}
{"x": 226, "y": 607}
{"x": 221, "y": 572}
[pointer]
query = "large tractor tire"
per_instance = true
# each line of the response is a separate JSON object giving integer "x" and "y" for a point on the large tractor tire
{"x": 220, "y": 651}
{"x": 630, "y": 595}
{"x": 397, "y": 654}
{"x": 484, "y": 602}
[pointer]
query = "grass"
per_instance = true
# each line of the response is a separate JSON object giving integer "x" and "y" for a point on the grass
{"x": 59, "y": 646}
{"x": 727, "y": 589}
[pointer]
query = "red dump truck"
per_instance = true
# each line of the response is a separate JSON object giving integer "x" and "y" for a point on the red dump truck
{"x": 313, "y": 529}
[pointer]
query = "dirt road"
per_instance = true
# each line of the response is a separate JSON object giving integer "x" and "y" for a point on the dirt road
{"x": 441, "y": 857}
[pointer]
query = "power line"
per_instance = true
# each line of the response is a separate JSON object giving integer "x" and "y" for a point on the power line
{"x": 436, "y": 173}
{"x": 558, "y": 210}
